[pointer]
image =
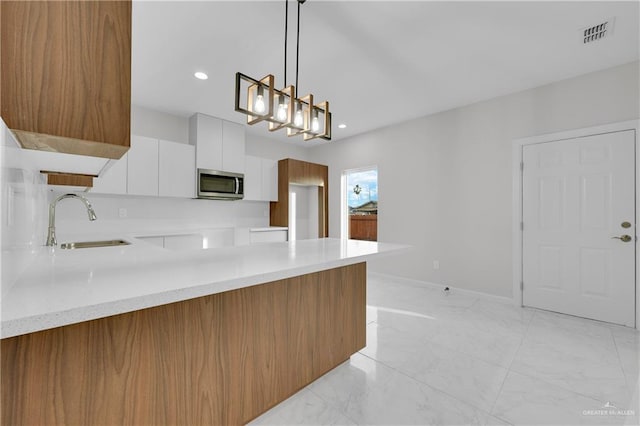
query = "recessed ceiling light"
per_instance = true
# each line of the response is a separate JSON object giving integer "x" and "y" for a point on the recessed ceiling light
{"x": 342, "y": 126}
{"x": 200, "y": 75}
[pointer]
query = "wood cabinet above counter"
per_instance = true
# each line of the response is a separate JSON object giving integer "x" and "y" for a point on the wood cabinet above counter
{"x": 302, "y": 173}
{"x": 66, "y": 75}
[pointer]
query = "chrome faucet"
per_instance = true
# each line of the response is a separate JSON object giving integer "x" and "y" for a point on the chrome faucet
{"x": 51, "y": 236}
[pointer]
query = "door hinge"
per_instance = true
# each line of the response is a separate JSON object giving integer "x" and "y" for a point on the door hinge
{"x": 522, "y": 226}
{"x": 521, "y": 165}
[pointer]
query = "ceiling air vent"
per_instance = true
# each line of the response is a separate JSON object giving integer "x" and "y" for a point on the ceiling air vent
{"x": 597, "y": 32}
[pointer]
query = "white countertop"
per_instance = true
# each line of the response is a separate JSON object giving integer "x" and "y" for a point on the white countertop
{"x": 269, "y": 229}
{"x": 64, "y": 287}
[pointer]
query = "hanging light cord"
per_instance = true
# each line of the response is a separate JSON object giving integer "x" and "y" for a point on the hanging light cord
{"x": 286, "y": 26}
{"x": 298, "y": 45}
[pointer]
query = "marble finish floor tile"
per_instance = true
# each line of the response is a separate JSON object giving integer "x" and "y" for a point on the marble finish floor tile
{"x": 464, "y": 377}
{"x": 413, "y": 403}
{"x": 303, "y": 408}
{"x": 347, "y": 384}
{"x": 628, "y": 346}
{"x": 525, "y": 400}
{"x": 461, "y": 359}
{"x": 574, "y": 354}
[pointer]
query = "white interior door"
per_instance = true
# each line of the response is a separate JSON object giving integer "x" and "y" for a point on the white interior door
{"x": 578, "y": 202}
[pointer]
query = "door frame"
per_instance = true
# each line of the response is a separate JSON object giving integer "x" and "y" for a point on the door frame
{"x": 516, "y": 160}
{"x": 344, "y": 208}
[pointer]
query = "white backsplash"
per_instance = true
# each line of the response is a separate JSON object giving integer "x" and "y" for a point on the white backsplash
{"x": 154, "y": 215}
{"x": 24, "y": 202}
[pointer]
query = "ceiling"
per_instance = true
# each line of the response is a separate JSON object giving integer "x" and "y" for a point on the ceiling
{"x": 378, "y": 63}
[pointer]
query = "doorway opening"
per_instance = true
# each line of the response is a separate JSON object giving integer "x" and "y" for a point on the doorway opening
{"x": 304, "y": 215}
{"x": 359, "y": 219}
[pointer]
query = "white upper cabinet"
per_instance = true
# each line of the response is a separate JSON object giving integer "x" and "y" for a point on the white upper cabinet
{"x": 270, "y": 179}
{"x": 176, "y": 170}
{"x": 114, "y": 179}
{"x": 253, "y": 178}
{"x": 151, "y": 167}
{"x": 233, "y": 147}
{"x": 220, "y": 145}
{"x": 142, "y": 166}
{"x": 260, "y": 179}
{"x": 205, "y": 133}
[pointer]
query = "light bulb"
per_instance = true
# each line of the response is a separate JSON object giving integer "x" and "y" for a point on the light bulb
{"x": 282, "y": 111}
{"x": 315, "y": 124}
{"x": 258, "y": 105}
{"x": 298, "y": 121}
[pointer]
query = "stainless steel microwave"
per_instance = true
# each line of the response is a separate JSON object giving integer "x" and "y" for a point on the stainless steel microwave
{"x": 217, "y": 185}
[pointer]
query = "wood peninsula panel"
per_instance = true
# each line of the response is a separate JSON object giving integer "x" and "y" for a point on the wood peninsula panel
{"x": 215, "y": 360}
{"x": 301, "y": 173}
{"x": 65, "y": 75}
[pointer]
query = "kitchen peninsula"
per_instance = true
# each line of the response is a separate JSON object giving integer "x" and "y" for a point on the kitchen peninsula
{"x": 139, "y": 335}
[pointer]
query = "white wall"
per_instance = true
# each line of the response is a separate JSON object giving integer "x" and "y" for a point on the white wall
{"x": 260, "y": 146}
{"x": 445, "y": 179}
{"x": 159, "y": 125}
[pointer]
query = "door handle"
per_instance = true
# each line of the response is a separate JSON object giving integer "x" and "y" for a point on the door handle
{"x": 623, "y": 238}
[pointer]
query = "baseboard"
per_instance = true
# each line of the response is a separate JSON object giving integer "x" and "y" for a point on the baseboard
{"x": 435, "y": 286}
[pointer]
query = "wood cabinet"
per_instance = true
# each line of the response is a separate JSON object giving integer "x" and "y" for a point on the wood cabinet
{"x": 260, "y": 179}
{"x": 220, "y": 359}
{"x": 65, "y": 76}
{"x": 220, "y": 144}
{"x": 303, "y": 173}
{"x": 363, "y": 227}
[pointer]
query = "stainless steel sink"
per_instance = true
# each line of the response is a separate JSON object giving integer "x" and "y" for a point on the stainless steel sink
{"x": 92, "y": 244}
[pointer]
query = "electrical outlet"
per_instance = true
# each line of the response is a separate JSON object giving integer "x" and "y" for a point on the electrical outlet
{"x": 122, "y": 212}
{"x": 436, "y": 264}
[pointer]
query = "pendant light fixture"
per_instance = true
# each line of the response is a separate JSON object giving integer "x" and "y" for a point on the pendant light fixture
{"x": 281, "y": 108}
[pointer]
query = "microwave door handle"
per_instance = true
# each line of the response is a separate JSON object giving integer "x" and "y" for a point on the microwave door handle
{"x": 237, "y": 185}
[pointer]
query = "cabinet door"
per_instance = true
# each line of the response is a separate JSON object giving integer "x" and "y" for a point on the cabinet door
{"x": 183, "y": 242}
{"x": 114, "y": 180}
{"x": 156, "y": 241}
{"x": 66, "y": 75}
{"x": 253, "y": 178}
{"x": 205, "y": 133}
{"x": 142, "y": 166}
{"x": 176, "y": 170}
{"x": 233, "y": 147}
{"x": 269, "y": 180}
{"x": 268, "y": 236}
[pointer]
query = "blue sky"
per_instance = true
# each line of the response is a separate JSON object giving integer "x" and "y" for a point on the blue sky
{"x": 368, "y": 181}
